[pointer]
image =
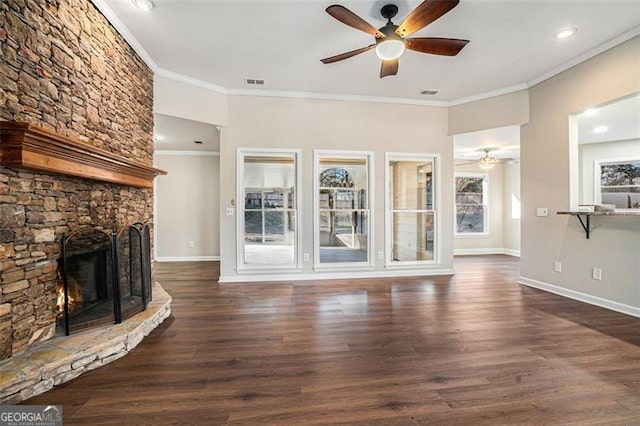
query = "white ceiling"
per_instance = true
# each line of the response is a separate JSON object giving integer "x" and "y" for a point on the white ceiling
{"x": 179, "y": 134}
{"x": 503, "y": 141}
{"x": 621, "y": 118}
{"x": 512, "y": 44}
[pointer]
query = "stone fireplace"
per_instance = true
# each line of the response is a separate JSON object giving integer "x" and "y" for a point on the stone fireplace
{"x": 67, "y": 74}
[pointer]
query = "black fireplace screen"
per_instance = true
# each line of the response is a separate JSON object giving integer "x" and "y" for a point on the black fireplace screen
{"x": 104, "y": 278}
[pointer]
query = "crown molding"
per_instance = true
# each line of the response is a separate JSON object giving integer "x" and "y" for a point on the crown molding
{"x": 125, "y": 33}
{"x": 181, "y": 78}
{"x": 188, "y": 153}
{"x": 335, "y": 97}
{"x": 490, "y": 94}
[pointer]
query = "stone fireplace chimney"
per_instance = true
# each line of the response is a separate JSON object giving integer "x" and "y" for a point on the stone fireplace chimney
{"x": 64, "y": 69}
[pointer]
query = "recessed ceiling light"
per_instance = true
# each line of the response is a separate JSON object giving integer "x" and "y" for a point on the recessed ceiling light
{"x": 600, "y": 129}
{"x": 590, "y": 112}
{"x": 145, "y": 5}
{"x": 566, "y": 33}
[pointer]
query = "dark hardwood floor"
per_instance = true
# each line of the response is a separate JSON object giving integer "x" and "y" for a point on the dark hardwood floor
{"x": 475, "y": 348}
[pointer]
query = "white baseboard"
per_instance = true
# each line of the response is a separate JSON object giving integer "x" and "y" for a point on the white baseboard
{"x": 582, "y": 297}
{"x": 333, "y": 275}
{"x": 480, "y": 251}
{"x": 511, "y": 252}
{"x": 187, "y": 259}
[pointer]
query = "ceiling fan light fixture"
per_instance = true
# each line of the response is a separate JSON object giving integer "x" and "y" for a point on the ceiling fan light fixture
{"x": 486, "y": 163}
{"x": 390, "y": 49}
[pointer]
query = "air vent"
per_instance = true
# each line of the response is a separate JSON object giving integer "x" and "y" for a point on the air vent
{"x": 254, "y": 81}
{"x": 429, "y": 92}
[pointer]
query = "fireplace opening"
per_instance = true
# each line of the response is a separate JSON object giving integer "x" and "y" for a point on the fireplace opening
{"x": 103, "y": 278}
{"x": 89, "y": 298}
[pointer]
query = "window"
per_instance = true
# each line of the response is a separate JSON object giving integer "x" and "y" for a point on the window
{"x": 411, "y": 208}
{"x": 268, "y": 214}
{"x": 471, "y": 204}
{"x": 342, "y": 201}
{"x": 619, "y": 184}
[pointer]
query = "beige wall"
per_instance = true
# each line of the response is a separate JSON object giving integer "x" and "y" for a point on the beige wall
{"x": 187, "y": 206}
{"x": 505, "y": 110}
{"x": 323, "y": 124}
{"x": 615, "y": 241}
{"x": 183, "y": 100}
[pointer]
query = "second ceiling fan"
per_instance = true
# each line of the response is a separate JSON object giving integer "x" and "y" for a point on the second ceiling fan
{"x": 391, "y": 40}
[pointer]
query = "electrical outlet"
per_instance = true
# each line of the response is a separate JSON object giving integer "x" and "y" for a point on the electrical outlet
{"x": 596, "y": 274}
{"x": 191, "y": 244}
{"x": 557, "y": 266}
{"x": 305, "y": 257}
{"x": 381, "y": 255}
{"x": 230, "y": 211}
{"x": 542, "y": 212}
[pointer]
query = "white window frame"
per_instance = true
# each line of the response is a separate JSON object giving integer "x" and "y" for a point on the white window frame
{"x": 368, "y": 156}
{"x": 241, "y": 153}
{"x": 597, "y": 176}
{"x": 485, "y": 203}
{"x": 402, "y": 156}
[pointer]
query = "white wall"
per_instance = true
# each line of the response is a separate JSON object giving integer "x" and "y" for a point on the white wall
{"x": 187, "y": 207}
{"x": 614, "y": 245}
{"x": 324, "y": 124}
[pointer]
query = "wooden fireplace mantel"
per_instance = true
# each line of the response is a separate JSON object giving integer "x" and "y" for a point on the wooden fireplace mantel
{"x": 26, "y": 146}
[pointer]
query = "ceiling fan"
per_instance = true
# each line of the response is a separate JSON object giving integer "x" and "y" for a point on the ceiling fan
{"x": 391, "y": 40}
{"x": 488, "y": 162}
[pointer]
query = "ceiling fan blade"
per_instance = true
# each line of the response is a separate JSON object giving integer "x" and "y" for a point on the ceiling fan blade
{"x": 436, "y": 46}
{"x": 389, "y": 67}
{"x": 349, "y": 18}
{"x": 427, "y": 12}
{"x": 347, "y": 55}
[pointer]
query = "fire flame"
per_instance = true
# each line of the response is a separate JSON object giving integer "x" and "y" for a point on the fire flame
{"x": 75, "y": 299}
{"x": 60, "y": 299}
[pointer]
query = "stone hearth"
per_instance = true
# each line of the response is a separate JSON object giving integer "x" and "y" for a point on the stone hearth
{"x": 63, "y": 358}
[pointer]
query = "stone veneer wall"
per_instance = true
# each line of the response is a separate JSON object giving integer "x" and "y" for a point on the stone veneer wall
{"x": 63, "y": 67}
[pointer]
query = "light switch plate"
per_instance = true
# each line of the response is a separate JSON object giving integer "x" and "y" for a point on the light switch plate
{"x": 542, "y": 212}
